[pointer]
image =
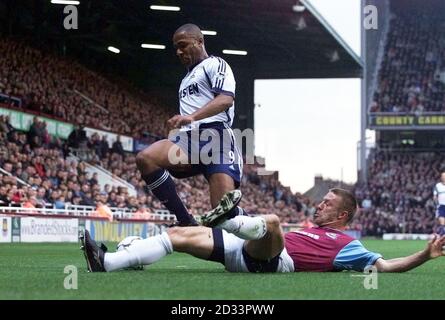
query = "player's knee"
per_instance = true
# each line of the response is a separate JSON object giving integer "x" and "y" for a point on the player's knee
{"x": 174, "y": 232}
{"x": 140, "y": 158}
{"x": 178, "y": 237}
{"x": 273, "y": 222}
{"x": 144, "y": 157}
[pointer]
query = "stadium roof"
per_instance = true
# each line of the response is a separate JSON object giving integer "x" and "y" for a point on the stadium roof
{"x": 281, "y": 42}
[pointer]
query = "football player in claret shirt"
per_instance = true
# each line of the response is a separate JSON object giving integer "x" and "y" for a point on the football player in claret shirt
{"x": 258, "y": 244}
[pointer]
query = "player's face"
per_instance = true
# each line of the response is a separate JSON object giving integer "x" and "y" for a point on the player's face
{"x": 327, "y": 210}
{"x": 442, "y": 177}
{"x": 187, "y": 48}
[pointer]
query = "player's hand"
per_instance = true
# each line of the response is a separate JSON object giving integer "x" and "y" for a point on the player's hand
{"x": 435, "y": 246}
{"x": 178, "y": 121}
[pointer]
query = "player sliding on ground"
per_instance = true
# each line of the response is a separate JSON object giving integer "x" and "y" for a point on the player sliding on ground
{"x": 258, "y": 244}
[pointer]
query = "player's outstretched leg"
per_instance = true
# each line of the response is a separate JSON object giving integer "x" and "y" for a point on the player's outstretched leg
{"x": 94, "y": 255}
{"x": 140, "y": 253}
{"x": 225, "y": 216}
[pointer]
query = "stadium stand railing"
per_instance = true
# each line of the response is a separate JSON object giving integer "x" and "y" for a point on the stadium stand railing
{"x": 85, "y": 212}
{"x": 106, "y": 177}
{"x": 85, "y": 97}
{"x": 18, "y": 179}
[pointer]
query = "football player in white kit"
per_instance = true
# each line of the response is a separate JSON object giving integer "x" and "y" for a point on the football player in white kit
{"x": 203, "y": 128}
{"x": 439, "y": 199}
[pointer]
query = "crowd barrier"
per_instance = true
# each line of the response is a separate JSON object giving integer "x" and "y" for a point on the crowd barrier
{"x": 65, "y": 228}
{"x": 407, "y": 236}
{"x": 42, "y": 228}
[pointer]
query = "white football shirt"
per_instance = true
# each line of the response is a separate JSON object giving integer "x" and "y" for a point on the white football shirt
{"x": 439, "y": 191}
{"x": 209, "y": 78}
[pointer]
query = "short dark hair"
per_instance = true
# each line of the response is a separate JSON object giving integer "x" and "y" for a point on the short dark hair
{"x": 191, "y": 29}
{"x": 348, "y": 203}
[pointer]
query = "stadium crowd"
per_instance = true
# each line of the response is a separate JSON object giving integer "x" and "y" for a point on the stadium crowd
{"x": 399, "y": 194}
{"x": 39, "y": 172}
{"x": 64, "y": 89}
{"x": 55, "y": 179}
{"x": 409, "y": 79}
{"x": 398, "y": 197}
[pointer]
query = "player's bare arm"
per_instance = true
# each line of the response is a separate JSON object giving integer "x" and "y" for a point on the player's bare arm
{"x": 219, "y": 104}
{"x": 178, "y": 120}
{"x": 433, "y": 250}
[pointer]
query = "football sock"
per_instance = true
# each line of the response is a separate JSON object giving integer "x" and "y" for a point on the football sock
{"x": 163, "y": 187}
{"x": 237, "y": 211}
{"x": 142, "y": 252}
{"x": 245, "y": 227}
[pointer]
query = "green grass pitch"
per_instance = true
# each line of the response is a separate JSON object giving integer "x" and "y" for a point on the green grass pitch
{"x": 36, "y": 271}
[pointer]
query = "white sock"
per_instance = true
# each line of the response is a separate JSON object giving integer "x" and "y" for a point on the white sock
{"x": 245, "y": 227}
{"x": 141, "y": 252}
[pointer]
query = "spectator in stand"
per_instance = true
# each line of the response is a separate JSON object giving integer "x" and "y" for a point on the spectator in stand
{"x": 94, "y": 179}
{"x": 5, "y": 126}
{"x": 103, "y": 147}
{"x": 107, "y": 188}
{"x": 117, "y": 146}
{"x": 30, "y": 203}
{"x": 94, "y": 143}
{"x": 34, "y": 130}
{"x": 112, "y": 199}
{"x": 76, "y": 200}
{"x": 77, "y": 138}
{"x": 38, "y": 165}
{"x": 87, "y": 199}
{"x": 141, "y": 213}
{"x": 4, "y": 200}
{"x": 60, "y": 203}
{"x": 41, "y": 198}
{"x": 102, "y": 210}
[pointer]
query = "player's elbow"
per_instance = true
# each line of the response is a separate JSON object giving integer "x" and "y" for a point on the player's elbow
{"x": 225, "y": 101}
{"x": 382, "y": 265}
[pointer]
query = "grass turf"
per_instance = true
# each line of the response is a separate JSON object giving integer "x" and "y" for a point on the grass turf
{"x": 36, "y": 271}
